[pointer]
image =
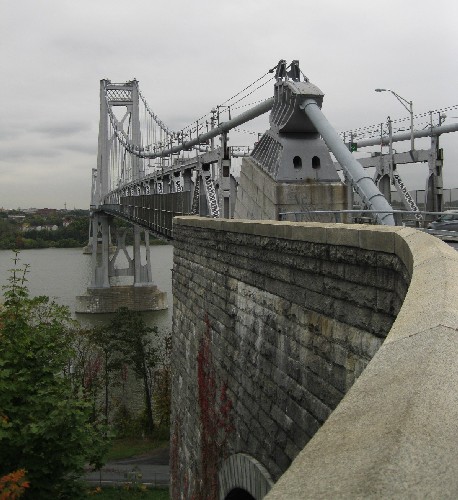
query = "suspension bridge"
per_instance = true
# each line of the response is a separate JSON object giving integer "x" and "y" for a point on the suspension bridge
{"x": 147, "y": 174}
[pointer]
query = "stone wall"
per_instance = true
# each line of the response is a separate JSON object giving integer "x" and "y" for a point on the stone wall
{"x": 394, "y": 434}
{"x": 273, "y": 323}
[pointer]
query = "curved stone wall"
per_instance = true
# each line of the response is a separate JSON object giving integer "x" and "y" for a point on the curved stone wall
{"x": 273, "y": 323}
{"x": 394, "y": 434}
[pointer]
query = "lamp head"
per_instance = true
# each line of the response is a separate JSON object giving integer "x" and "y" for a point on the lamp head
{"x": 381, "y": 90}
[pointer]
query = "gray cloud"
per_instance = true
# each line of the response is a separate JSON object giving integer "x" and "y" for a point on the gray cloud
{"x": 23, "y": 154}
{"x": 61, "y": 129}
{"x": 89, "y": 148}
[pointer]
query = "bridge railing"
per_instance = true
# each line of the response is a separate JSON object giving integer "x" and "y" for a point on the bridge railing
{"x": 402, "y": 217}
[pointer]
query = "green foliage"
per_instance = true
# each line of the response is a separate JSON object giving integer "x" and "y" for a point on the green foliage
{"x": 74, "y": 235}
{"x": 162, "y": 394}
{"x": 130, "y": 446}
{"x": 124, "y": 422}
{"x": 8, "y": 230}
{"x": 13, "y": 485}
{"x": 111, "y": 359}
{"x": 131, "y": 336}
{"x": 45, "y": 425}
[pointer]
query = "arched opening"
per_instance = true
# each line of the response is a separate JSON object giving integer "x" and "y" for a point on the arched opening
{"x": 316, "y": 162}
{"x": 239, "y": 494}
{"x": 243, "y": 477}
{"x": 297, "y": 162}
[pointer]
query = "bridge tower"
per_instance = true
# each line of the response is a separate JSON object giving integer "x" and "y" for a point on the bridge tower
{"x": 290, "y": 168}
{"x": 105, "y": 294}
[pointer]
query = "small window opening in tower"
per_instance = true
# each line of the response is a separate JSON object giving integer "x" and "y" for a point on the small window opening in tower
{"x": 316, "y": 162}
{"x": 297, "y": 162}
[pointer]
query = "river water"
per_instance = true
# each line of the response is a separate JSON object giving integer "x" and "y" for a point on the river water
{"x": 64, "y": 273}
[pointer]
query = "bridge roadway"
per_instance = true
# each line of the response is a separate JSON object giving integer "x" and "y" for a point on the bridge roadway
{"x": 153, "y": 212}
{"x": 151, "y": 469}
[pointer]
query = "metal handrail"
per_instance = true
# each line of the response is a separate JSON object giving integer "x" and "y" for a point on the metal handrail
{"x": 416, "y": 216}
{"x": 360, "y": 210}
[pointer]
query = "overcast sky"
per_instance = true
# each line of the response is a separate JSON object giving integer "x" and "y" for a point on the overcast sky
{"x": 191, "y": 55}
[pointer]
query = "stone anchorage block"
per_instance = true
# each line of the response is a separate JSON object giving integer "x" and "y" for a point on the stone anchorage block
{"x": 312, "y": 195}
{"x": 247, "y": 169}
{"x": 270, "y": 190}
{"x": 251, "y": 190}
{"x": 259, "y": 177}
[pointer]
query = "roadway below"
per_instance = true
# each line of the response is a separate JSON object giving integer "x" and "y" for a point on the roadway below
{"x": 151, "y": 469}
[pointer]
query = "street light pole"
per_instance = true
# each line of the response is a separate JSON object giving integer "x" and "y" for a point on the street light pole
{"x": 409, "y": 109}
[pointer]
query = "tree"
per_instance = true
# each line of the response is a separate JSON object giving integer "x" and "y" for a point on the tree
{"x": 162, "y": 393}
{"x": 13, "y": 485}
{"x": 107, "y": 347}
{"x": 132, "y": 337}
{"x": 45, "y": 425}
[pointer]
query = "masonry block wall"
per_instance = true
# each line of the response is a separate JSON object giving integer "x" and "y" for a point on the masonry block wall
{"x": 273, "y": 322}
{"x": 259, "y": 196}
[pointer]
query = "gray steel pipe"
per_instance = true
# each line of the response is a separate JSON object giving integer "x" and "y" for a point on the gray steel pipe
{"x": 363, "y": 184}
{"x": 254, "y": 112}
{"x": 403, "y": 136}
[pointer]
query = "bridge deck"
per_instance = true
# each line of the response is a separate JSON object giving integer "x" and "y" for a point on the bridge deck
{"x": 153, "y": 212}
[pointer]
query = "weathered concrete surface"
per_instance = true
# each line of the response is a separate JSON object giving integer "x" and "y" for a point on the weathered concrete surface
{"x": 260, "y": 197}
{"x": 109, "y": 300}
{"x": 296, "y": 314}
{"x": 394, "y": 433}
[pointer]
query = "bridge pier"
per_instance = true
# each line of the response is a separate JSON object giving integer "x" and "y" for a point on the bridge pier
{"x": 108, "y": 290}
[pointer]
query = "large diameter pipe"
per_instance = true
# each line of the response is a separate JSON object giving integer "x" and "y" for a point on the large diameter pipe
{"x": 363, "y": 184}
{"x": 254, "y": 112}
{"x": 403, "y": 136}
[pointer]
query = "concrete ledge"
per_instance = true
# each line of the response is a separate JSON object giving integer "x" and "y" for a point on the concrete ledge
{"x": 367, "y": 237}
